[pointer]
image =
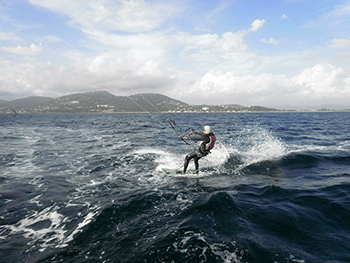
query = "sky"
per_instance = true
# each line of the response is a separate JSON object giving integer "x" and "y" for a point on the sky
{"x": 282, "y": 54}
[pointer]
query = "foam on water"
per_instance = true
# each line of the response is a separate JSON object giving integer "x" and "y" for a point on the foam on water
{"x": 228, "y": 253}
{"x": 47, "y": 228}
{"x": 172, "y": 160}
{"x": 87, "y": 220}
{"x": 254, "y": 145}
{"x": 42, "y": 228}
{"x": 262, "y": 145}
{"x": 219, "y": 156}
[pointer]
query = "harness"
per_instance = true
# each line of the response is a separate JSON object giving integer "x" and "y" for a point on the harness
{"x": 211, "y": 143}
{"x": 205, "y": 148}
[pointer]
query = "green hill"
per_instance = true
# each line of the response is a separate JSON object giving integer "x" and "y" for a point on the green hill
{"x": 103, "y": 101}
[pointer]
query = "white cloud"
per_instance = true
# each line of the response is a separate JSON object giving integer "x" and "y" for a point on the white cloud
{"x": 25, "y": 51}
{"x": 122, "y": 76}
{"x": 126, "y": 74}
{"x": 322, "y": 80}
{"x": 284, "y": 16}
{"x": 230, "y": 46}
{"x": 141, "y": 47}
{"x": 231, "y": 88}
{"x": 227, "y": 42}
{"x": 339, "y": 43}
{"x": 320, "y": 84}
{"x": 257, "y": 24}
{"x": 270, "y": 41}
{"x": 108, "y": 15}
{"x": 127, "y": 63}
{"x": 9, "y": 36}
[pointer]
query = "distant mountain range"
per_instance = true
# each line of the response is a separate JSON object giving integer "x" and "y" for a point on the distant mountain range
{"x": 103, "y": 101}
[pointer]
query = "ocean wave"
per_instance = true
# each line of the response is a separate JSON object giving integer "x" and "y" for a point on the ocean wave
{"x": 89, "y": 188}
{"x": 240, "y": 224}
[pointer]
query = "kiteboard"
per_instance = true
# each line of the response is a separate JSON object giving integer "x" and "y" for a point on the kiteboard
{"x": 176, "y": 171}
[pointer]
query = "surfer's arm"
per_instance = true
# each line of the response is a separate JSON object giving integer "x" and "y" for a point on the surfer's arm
{"x": 195, "y": 136}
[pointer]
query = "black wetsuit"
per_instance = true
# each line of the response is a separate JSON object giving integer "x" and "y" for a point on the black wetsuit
{"x": 208, "y": 141}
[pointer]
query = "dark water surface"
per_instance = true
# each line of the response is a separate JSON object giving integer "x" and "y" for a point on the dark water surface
{"x": 90, "y": 188}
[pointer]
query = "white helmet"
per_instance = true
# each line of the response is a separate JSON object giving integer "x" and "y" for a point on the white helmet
{"x": 207, "y": 129}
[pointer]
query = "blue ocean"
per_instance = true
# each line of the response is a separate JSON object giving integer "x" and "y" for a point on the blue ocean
{"x": 90, "y": 188}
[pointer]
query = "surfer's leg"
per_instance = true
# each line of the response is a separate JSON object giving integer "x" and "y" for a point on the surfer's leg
{"x": 196, "y": 163}
{"x": 187, "y": 160}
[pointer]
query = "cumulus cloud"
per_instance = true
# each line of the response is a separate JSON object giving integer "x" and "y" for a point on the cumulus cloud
{"x": 321, "y": 81}
{"x": 131, "y": 53}
{"x": 313, "y": 86}
{"x": 257, "y": 24}
{"x": 229, "y": 46}
{"x": 121, "y": 76}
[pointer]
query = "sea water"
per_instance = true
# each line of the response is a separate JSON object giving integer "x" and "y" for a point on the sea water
{"x": 90, "y": 188}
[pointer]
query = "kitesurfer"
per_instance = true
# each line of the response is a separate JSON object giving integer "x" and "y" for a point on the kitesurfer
{"x": 208, "y": 141}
